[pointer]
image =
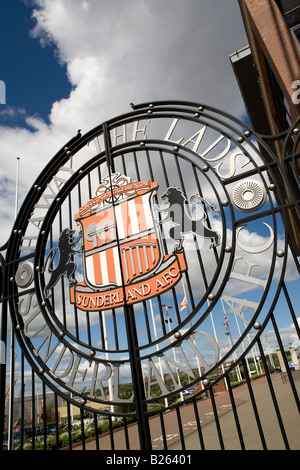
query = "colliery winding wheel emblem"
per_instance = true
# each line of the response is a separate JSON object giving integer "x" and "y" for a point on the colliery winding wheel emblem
{"x": 248, "y": 195}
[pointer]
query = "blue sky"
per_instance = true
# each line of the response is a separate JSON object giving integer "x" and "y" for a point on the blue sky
{"x": 34, "y": 79}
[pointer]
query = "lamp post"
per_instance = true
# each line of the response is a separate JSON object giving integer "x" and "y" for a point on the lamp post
{"x": 169, "y": 320}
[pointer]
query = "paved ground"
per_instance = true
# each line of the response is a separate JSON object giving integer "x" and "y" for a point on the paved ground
{"x": 252, "y": 440}
{"x": 271, "y": 430}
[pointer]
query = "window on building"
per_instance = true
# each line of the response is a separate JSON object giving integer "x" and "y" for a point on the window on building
{"x": 290, "y": 10}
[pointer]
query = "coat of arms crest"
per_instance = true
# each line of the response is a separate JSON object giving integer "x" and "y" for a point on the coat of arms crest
{"x": 123, "y": 260}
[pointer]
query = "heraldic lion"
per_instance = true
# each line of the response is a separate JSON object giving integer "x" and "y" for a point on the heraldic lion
{"x": 65, "y": 248}
{"x": 180, "y": 214}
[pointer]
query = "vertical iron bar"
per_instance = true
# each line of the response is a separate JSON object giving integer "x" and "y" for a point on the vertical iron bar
{"x": 137, "y": 381}
{"x": 285, "y": 361}
{"x": 33, "y": 409}
{"x": 236, "y": 418}
{"x": 292, "y": 311}
{"x": 69, "y": 426}
{"x": 82, "y": 428}
{"x": 162, "y": 321}
{"x": 198, "y": 424}
{"x": 163, "y": 430}
{"x": 115, "y": 329}
{"x": 208, "y": 220}
{"x": 44, "y": 415}
{"x": 147, "y": 322}
{"x": 101, "y": 330}
{"x": 96, "y": 431}
{"x": 280, "y": 422}
{"x": 126, "y": 434}
{"x": 180, "y": 428}
{"x": 3, "y": 370}
{"x": 3, "y": 345}
{"x": 88, "y": 327}
{"x": 56, "y": 421}
{"x": 254, "y": 405}
{"x": 11, "y": 391}
{"x": 62, "y": 281}
{"x": 216, "y": 418}
{"x": 22, "y": 399}
{"x": 111, "y": 434}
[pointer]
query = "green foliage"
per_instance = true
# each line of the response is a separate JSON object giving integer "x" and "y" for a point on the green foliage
{"x": 125, "y": 407}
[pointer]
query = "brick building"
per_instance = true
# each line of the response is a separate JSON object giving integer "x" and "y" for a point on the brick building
{"x": 268, "y": 73}
{"x": 273, "y": 31}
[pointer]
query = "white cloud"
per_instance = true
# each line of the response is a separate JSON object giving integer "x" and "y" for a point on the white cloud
{"x": 10, "y": 113}
{"x": 145, "y": 51}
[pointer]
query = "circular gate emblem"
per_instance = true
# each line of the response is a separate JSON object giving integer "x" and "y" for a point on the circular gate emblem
{"x": 136, "y": 247}
{"x": 248, "y": 195}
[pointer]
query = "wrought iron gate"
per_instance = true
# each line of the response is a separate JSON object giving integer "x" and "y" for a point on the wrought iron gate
{"x": 149, "y": 289}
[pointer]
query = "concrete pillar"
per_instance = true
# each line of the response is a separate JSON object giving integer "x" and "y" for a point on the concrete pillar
{"x": 294, "y": 356}
{"x": 281, "y": 361}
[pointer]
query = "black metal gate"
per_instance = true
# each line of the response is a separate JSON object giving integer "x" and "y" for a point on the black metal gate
{"x": 149, "y": 289}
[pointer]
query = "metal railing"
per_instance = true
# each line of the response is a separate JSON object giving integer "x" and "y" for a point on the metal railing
{"x": 197, "y": 366}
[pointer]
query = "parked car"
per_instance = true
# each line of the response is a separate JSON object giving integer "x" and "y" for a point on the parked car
{"x": 188, "y": 391}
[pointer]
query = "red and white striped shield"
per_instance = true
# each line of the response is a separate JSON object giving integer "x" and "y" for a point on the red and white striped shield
{"x": 121, "y": 243}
